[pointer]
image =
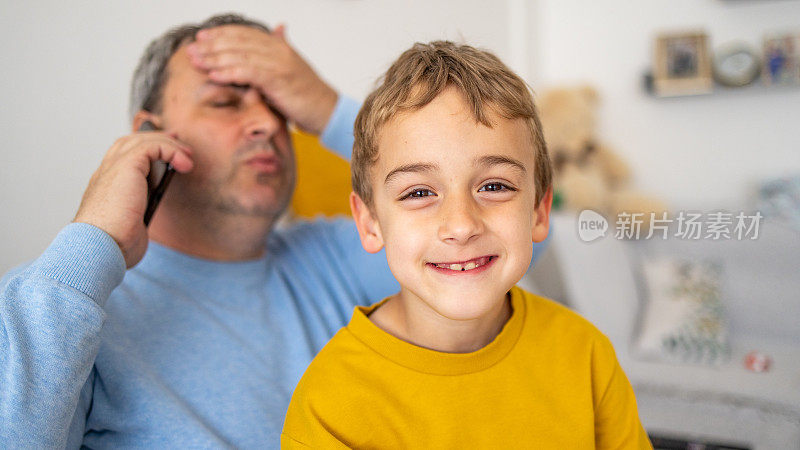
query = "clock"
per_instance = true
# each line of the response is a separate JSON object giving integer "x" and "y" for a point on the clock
{"x": 736, "y": 65}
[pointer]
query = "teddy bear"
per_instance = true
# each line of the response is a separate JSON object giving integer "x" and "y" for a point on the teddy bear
{"x": 587, "y": 173}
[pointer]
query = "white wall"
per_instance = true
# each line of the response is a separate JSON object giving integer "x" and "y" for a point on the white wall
{"x": 702, "y": 152}
{"x": 66, "y": 68}
{"x": 67, "y": 65}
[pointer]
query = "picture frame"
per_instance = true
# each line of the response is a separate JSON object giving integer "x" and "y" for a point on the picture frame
{"x": 682, "y": 64}
{"x": 781, "y": 62}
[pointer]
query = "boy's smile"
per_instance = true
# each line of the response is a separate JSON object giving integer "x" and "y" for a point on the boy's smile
{"x": 454, "y": 205}
{"x": 475, "y": 265}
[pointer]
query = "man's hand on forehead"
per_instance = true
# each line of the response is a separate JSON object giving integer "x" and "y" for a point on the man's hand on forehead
{"x": 242, "y": 55}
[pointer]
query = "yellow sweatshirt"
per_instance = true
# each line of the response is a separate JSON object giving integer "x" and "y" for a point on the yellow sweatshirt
{"x": 550, "y": 379}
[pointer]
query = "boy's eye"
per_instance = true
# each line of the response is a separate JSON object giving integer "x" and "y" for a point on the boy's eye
{"x": 418, "y": 193}
{"x": 494, "y": 187}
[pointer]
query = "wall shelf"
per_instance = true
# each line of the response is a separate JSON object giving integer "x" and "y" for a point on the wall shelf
{"x": 755, "y": 87}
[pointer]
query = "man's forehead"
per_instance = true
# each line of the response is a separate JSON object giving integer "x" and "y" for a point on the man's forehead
{"x": 180, "y": 68}
{"x": 180, "y": 62}
{"x": 180, "y": 73}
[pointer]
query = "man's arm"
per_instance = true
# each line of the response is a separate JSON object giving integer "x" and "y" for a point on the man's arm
{"x": 338, "y": 133}
{"x": 51, "y": 312}
{"x": 50, "y": 320}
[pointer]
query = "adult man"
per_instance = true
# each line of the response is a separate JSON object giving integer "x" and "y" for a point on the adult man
{"x": 202, "y": 342}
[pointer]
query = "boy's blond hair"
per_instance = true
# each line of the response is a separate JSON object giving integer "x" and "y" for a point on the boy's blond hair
{"x": 423, "y": 72}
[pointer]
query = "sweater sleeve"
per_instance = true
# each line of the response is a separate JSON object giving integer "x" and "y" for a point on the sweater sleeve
{"x": 51, "y": 314}
{"x": 616, "y": 416}
{"x": 338, "y": 133}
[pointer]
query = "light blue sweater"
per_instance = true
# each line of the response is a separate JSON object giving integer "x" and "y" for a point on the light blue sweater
{"x": 177, "y": 352}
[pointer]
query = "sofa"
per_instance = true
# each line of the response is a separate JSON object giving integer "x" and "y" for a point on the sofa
{"x": 700, "y": 404}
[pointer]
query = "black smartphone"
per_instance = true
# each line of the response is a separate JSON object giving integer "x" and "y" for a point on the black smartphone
{"x": 157, "y": 180}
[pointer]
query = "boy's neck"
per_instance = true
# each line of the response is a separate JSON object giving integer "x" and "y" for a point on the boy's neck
{"x": 413, "y": 321}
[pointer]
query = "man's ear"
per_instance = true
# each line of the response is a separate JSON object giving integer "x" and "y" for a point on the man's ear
{"x": 541, "y": 223}
{"x": 146, "y": 116}
{"x": 368, "y": 228}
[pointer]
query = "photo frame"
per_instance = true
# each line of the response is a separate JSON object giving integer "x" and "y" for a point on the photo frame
{"x": 682, "y": 64}
{"x": 781, "y": 59}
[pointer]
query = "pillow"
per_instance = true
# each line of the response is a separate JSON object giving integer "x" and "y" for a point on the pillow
{"x": 683, "y": 318}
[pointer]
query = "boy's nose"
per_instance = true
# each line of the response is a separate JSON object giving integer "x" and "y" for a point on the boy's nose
{"x": 460, "y": 221}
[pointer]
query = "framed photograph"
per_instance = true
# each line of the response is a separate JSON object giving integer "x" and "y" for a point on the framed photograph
{"x": 781, "y": 59}
{"x": 682, "y": 64}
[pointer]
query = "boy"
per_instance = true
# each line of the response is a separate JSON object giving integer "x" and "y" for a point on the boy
{"x": 451, "y": 175}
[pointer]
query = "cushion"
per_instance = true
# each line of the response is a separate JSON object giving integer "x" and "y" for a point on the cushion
{"x": 682, "y": 313}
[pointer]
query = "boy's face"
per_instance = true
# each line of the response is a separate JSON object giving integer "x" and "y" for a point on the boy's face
{"x": 454, "y": 205}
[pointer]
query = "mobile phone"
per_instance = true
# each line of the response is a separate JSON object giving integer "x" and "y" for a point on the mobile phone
{"x": 157, "y": 180}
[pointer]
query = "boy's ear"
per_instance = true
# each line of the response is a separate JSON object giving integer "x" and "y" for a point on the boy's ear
{"x": 541, "y": 223}
{"x": 368, "y": 228}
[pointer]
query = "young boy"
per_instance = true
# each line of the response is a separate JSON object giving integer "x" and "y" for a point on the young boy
{"x": 451, "y": 175}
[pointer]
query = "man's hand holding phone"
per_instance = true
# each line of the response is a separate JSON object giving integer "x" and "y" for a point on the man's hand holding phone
{"x": 157, "y": 180}
{"x": 116, "y": 199}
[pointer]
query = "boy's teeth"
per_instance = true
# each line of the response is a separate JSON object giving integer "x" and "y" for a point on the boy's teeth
{"x": 464, "y": 267}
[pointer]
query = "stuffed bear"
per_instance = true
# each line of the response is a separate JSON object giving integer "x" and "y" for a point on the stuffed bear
{"x": 588, "y": 174}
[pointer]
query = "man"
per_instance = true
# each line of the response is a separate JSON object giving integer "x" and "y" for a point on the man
{"x": 201, "y": 344}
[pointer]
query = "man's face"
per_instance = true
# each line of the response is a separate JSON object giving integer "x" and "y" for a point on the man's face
{"x": 243, "y": 159}
{"x": 454, "y": 205}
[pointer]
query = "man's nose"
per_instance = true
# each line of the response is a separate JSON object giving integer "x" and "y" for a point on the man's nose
{"x": 461, "y": 220}
{"x": 262, "y": 121}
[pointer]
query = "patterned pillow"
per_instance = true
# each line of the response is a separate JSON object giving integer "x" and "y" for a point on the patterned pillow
{"x": 683, "y": 317}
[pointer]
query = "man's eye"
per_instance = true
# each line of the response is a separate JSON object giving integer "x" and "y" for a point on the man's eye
{"x": 418, "y": 193}
{"x": 231, "y": 103}
{"x": 494, "y": 187}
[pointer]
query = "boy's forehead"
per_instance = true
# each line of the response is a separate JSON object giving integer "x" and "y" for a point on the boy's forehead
{"x": 450, "y": 102}
{"x": 446, "y": 128}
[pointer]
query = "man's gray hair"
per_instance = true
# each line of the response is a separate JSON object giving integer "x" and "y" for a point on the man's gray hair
{"x": 150, "y": 75}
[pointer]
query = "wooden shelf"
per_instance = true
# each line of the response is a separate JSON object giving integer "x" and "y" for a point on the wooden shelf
{"x": 757, "y": 86}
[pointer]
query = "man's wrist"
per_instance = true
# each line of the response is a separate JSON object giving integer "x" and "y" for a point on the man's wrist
{"x": 338, "y": 133}
{"x": 324, "y": 106}
{"x": 85, "y": 258}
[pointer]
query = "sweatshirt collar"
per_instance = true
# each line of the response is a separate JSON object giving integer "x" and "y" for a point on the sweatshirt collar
{"x": 184, "y": 268}
{"x": 434, "y": 362}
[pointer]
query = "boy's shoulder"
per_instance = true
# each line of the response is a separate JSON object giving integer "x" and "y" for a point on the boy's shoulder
{"x": 335, "y": 366}
{"x": 334, "y": 356}
{"x": 554, "y": 322}
{"x": 333, "y": 388}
